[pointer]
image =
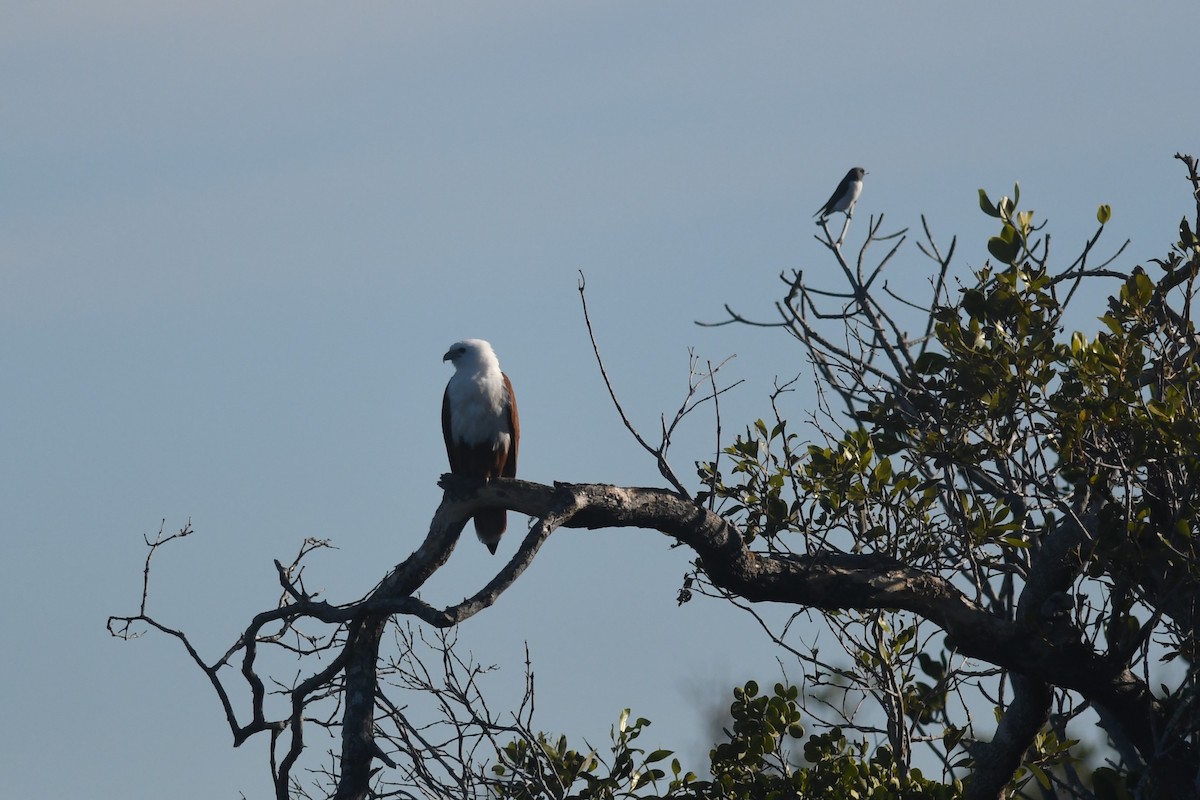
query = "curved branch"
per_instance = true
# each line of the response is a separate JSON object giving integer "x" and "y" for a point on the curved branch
{"x": 825, "y": 580}
{"x": 850, "y": 581}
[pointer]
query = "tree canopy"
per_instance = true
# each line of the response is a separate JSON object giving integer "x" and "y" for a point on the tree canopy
{"x": 995, "y": 515}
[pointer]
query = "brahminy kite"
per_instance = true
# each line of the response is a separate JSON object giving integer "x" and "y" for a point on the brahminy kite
{"x": 481, "y": 426}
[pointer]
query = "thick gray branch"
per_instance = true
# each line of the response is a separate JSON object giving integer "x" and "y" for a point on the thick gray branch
{"x": 838, "y": 581}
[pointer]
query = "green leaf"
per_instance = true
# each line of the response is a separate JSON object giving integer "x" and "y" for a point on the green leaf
{"x": 1078, "y": 343}
{"x": 1104, "y": 214}
{"x": 1007, "y": 246}
{"x": 974, "y": 303}
{"x": 1138, "y": 289}
{"x": 929, "y": 363}
{"x": 952, "y": 736}
{"x": 986, "y": 205}
{"x": 883, "y": 470}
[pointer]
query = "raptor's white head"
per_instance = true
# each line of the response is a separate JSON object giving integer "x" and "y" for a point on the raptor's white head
{"x": 471, "y": 354}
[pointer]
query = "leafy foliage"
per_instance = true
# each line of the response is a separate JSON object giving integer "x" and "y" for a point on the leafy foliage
{"x": 753, "y": 763}
{"x": 1053, "y": 476}
{"x": 553, "y": 769}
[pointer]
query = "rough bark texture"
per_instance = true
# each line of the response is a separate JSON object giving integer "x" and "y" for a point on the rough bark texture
{"x": 1040, "y": 656}
{"x": 841, "y": 581}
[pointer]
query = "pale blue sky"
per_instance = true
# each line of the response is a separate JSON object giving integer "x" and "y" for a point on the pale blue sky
{"x": 235, "y": 240}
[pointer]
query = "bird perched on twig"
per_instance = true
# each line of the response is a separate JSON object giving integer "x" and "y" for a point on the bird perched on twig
{"x": 844, "y": 196}
{"x": 481, "y": 426}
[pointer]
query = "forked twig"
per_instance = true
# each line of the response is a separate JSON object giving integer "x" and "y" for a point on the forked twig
{"x": 659, "y": 453}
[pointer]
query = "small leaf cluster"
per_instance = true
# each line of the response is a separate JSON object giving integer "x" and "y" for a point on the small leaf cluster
{"x": 997, "y": 364}
{"x": 1011, "y": 244}
{"x": 764, "y": 461}
{"x": 777, "y": 487}
{"x": 1046, "y": 752}
{"x": 753, "y": 763}
{"x": 549, "y": 768}
{"x": 761, "y": 725}
{"x": 1127, "y": 426}
{"x": 861, "y": 488}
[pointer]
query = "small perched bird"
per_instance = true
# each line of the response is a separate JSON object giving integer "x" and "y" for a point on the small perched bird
{"x": 845, "y": 195}
{"x": 481, "y": 426}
